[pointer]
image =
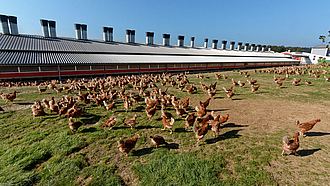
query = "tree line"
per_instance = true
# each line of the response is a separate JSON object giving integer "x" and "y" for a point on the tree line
{"x": 282, "y": 48}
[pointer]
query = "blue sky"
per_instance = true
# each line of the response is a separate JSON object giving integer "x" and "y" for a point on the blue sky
{"x": 288, "y": 23}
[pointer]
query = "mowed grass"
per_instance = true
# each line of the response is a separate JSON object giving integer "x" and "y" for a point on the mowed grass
{"x": 43, "y": 151}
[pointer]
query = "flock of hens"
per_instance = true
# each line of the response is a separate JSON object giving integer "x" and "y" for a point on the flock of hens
{"x": 102, "y": 92}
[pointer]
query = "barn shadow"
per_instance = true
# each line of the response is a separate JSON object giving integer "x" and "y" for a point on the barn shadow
{"x": 307, "y": 152}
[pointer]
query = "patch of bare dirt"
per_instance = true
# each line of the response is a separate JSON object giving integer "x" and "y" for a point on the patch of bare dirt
{"x": 16, "y": 106}
{"x": 268, "y": 116}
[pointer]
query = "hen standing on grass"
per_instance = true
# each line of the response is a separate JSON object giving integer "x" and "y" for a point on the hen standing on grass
{"x": 127, "y": 145}
{"x": 38, "y": 110}
{"x": 303, "y": 127}
{"x": 131, "y": 122}
{"x": 109, "y": 123}
{"x": 231, "y": 94}
{"x": 151, "y": 112}
{"x": 253, "y": 88}
{"x": 202, "y": 131}
{"x": 10, "y": 96}
{"x": 291, "y": 145}
{"x": 74, "y": 125}
{"x": 168, "y": 124}
{"x": 190, "y": 120}
{"x": 158, "y": 140}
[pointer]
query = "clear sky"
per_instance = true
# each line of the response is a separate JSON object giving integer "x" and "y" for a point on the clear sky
{"x": 280, "y": 22}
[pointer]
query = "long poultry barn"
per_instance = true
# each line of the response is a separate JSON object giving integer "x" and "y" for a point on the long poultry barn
{"x": 23, "y": 56}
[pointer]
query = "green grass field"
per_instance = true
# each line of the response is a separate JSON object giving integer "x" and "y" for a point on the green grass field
{"x": 43, "y": 151}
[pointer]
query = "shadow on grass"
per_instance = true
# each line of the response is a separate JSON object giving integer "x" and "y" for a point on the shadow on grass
{"x": 88, "y": 130}
{"x": 307, "y": 152}
{"x": 116, "y": 128}
{"x": 91, "y": 118}
{"x": 158, "y": 119}
{"x": 149, "y": 150}
{"x": 143, "y": 151}
{"x": 233, "y": 125}
{"x": 173, "y": 146}
{"x": 317, "y": 133}
{"x": 146, "y": 127}
{"x": 180, "y": 130}
{"x": 259, "y": 92}
{"x": 23, "y": 103}
{"x": 139, "y": 108}
{"x": 227, "y": 135}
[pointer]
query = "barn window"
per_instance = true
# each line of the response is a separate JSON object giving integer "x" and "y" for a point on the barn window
{"x": 29, "y": 69}
{"x": 134, "y": 66}
{"x": 48, "y": 68}
{"x": 82, "y": 67}
{"x": 8, "y": 69}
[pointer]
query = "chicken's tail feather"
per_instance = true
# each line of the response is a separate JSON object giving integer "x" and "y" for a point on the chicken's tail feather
{"x": 285, "y": 139}
{"x": 172, "y": 121}
{"x": 195, "y": 129}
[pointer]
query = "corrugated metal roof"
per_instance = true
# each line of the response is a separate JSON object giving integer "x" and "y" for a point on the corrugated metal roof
{"x": 36, "y": 58}
{"x": 39, "y": 43}
{"x": 37, "y": 50}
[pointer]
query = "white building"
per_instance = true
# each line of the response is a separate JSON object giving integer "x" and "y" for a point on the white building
{"x": 319, "y": 52}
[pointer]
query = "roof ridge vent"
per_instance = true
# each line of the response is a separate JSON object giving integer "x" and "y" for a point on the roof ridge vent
{"x": 81, "y": 31}
{"x": 5, "y": 26}
{"x": 48, "y": 28}
{"x": 108, "y": 34}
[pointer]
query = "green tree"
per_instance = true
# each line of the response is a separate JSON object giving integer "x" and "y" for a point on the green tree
{"x": 323, "y": 38}
{"x": 282, "y": 48}
{"x": 323, "y": 62}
